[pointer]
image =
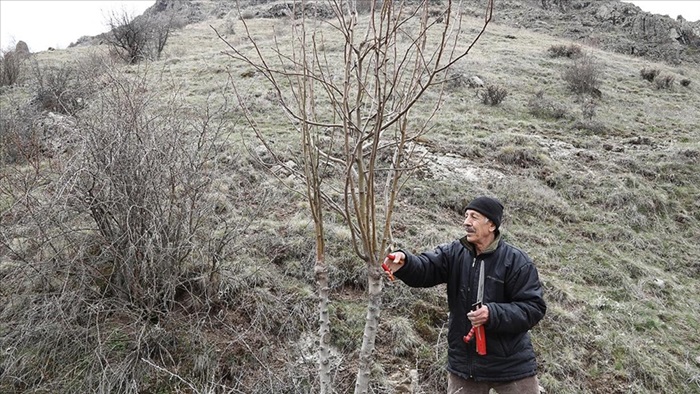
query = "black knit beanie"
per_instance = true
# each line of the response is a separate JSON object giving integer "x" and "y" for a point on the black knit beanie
{"x": 489, "y": 207}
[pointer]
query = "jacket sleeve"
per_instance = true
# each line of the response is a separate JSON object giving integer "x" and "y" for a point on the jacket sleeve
{"x": 526, "y": 307}
{"x": 426, "y": 269}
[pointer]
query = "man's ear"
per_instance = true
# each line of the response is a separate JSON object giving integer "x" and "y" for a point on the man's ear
{"x": 492, "y": 226}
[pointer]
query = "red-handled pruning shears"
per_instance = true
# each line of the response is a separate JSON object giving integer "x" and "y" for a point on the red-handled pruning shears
{"x": 480, "y": 339}
{"x": 386, "y": 268}
{"x": 480, "y": 335}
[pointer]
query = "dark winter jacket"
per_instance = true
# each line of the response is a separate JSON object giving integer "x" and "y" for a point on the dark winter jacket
{"x": 512, "y": 292}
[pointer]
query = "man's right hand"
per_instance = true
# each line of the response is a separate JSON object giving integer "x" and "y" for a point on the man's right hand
{"x": 399, "y": 258}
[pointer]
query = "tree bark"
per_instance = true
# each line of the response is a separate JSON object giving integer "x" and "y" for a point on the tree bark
{"x": 369, "y": 336}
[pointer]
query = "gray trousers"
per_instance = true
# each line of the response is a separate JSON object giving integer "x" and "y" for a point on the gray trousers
{"x": 457, "y": 385}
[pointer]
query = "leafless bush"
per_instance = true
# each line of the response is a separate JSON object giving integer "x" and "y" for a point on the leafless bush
{"x": 59, "y": 89}
{"x": 66, "y": 87}
{"x": 583, "y": 76}
{"x": 587, "y": 122}
{"x": 664, "y": 82}
{"x": 104, "y": 249}
{"x": 543, "y": 107}
{"x": 142, "y": 176}
{"x": 11, "y": 65}
{"x": 456, "y": 80}
{"x": 561, "y": 50}
{"x": 493, "y": 95}
{"x": 649, "y": 73}
{"x": 135, "y": 39}
{"x": 19, "y": 138}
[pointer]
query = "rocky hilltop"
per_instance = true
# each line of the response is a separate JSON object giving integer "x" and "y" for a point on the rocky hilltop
{"x": 611, "y": 25}
{"x": 608, "y": 24}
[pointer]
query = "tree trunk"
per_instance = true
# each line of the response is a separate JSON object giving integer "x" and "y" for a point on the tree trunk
{"x": 324, "y": 365}
{"x": 374, "y": 285}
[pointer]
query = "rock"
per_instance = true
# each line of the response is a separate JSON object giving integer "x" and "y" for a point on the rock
{"x": 22, "y": 49}
{"x": 475, "y": 82}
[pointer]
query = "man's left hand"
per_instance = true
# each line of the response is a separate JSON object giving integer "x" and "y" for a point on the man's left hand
{"x": 479, "y": 317}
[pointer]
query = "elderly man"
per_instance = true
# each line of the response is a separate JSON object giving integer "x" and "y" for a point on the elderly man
{"x": 490, "y": 284}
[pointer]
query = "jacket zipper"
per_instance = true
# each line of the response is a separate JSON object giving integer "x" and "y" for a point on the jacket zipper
{"x": 469, "y": 299}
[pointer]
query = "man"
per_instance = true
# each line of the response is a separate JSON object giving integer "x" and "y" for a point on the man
{"x": 511, "y": 300}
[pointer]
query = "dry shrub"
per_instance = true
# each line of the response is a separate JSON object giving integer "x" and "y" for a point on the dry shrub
{"x": 493, "y": 95}
{"x": 592, "y": 126}
{"x": 570, "y": 51}
{"x": 59, "y": 89}
{"x": 111, "y": 255}
{"x": 143, "y": 175}
{"x": 664, "y": 82}
{"x": 456, "y": 80}
{"x": 134, "y": 39}
{"x": 20, "y": 140}
{"x": 589, "y": 109}
{"x": 66, "y": 87}
{"x": 649, "y": 74}
{"x": 583, "y": 76}
{"x": 544, "y": 107}
{"x": 520, "y": 156}
{"x": 11, "y": 67}
{"x": 685, "y": 82}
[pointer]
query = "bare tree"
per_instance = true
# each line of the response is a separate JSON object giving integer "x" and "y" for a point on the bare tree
{"x": 135, "y": 39}
{"x": 351, "y": 110}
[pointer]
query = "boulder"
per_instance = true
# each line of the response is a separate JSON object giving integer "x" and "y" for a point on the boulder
{"x": 21, "y": 49}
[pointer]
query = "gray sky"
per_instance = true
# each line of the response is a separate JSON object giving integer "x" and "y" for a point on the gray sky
{"x": 44, "y": 24}
{"x": 690, "y": 9}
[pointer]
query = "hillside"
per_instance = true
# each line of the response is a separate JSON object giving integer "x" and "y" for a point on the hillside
{"x": 600, "y": 189}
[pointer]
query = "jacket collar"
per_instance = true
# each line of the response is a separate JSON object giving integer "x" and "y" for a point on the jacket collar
{"x": 489, "y": 249}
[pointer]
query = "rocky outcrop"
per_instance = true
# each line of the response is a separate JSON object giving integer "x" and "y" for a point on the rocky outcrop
{"x": 21, "y": 49}
{"x": 609, "y": 24}
{"x": 644, "y": 34}
{"x": 645, "y": 26}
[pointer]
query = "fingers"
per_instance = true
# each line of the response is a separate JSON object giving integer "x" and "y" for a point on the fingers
{"x": 395, "y": 258}
{"x": 479, "y": 316}
{"x": 476, "y": 320}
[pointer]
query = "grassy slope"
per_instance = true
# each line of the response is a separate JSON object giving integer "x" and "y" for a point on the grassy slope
{"x": 610, "y": 215}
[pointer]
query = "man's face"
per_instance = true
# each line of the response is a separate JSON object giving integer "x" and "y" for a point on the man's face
{"x": 479, "y": 228}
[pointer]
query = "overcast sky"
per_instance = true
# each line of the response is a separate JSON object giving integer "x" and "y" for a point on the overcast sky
{"x": 44, "y": 24}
